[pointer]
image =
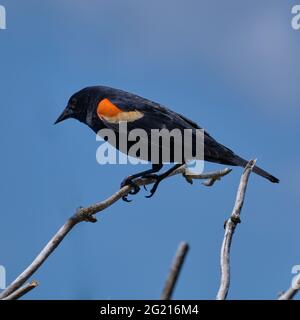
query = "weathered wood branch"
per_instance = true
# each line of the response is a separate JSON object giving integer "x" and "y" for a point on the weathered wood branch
{"x": 22, "y": 290}
{"x": 230, "y": 226}
{"x": 175, "y": 271}
{"x": 88, "y": 214}
{"x": 290, "y": 293}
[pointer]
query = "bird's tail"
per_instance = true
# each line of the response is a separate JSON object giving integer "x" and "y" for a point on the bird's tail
{"x": 242, "y": 162}
{"x": 216, "y": 152}
{"x": 265, "y": 174}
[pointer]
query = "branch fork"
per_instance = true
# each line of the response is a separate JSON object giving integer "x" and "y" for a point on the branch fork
{"x": 87, "y": 214}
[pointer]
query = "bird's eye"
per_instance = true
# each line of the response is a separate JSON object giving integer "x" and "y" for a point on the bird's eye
{"x": 73, "y": 103}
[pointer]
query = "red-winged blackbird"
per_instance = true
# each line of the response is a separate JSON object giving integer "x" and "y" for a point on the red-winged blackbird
{"x": 102, "y": 107}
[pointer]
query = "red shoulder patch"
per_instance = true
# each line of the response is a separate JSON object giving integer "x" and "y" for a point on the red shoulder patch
{"x": 111, "y": 113}
{"x": 107, "y": 109}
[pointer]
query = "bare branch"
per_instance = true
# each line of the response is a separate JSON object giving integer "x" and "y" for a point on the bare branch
{"x": 211, "y": 177}
{"x": 41, "y": 257}
{"x": 21, "y": 291}
{"x": 230, "y": 226}
{"x": 87, "y": 214}
{"x": 292, "y": 291}
{"x": 175, "y": 271}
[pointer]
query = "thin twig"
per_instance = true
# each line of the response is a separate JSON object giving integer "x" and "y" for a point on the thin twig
{"x": 21, "y": 291}
{"x": 210, "y": 177}
{"x": 87, "y": 214}
{"x": 230, "y": 226}
{"x": 290, "y": 293}
{"x": 41, "y": 257}
{"x": 175, "y": 271}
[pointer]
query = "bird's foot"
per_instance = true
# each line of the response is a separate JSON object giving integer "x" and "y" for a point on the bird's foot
{"x": 156, "y": 183}
{"x": 134, "y": 187}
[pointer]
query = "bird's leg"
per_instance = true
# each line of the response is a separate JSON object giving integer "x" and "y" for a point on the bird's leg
{"x": 160, "y": 177}
{"x": 129, "y": 180}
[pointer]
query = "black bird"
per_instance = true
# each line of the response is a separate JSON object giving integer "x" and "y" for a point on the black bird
{"x": 102, "y": 107}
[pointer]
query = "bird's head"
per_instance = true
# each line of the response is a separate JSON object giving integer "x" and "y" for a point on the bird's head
{"x": 83, "y": 106}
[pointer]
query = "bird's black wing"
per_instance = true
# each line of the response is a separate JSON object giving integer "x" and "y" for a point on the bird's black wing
{"x": 153, "y": 115}
{"x": 157, "y": 116}
{"x": 213, "y": 150}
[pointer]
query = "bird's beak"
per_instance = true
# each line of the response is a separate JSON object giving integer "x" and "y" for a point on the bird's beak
{"x": 66, "y": 114}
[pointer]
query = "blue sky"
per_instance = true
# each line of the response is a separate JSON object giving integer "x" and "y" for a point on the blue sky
{"x": 231, "y": 66}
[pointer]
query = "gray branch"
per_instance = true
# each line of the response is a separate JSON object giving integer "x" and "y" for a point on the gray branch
{"x": 292, "y": 291}
{"x": 21, "y": 291}
{"x": 175, "y": 271}
{"x": 87, "y": 214}
{"x": 230, "y": 226}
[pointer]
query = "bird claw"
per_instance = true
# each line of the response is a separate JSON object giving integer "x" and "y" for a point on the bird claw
{"x": 154, "y": 188}
{"x": 155, "y": 177}
{"x": 149, "y": 176}
{"x": 124, "y": 198}
{"x": 149, "y": 195}
{"x": 134, "y": 188}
